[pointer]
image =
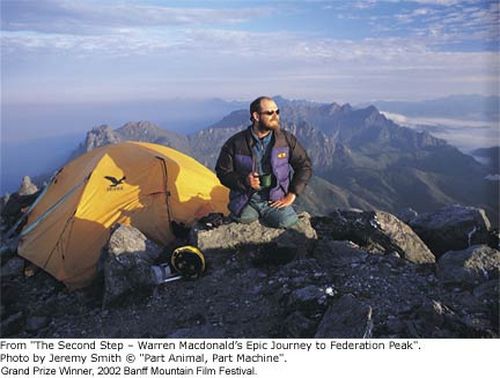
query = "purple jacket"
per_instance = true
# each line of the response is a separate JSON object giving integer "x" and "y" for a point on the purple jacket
{"x": 235, "y": 163}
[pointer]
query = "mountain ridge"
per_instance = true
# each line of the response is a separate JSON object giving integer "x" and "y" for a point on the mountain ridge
{"x": 369, "y": 160}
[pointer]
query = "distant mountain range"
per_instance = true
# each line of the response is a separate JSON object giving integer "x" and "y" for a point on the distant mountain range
{"x": 360, "y": 158}
{"x": 47, "y": 133}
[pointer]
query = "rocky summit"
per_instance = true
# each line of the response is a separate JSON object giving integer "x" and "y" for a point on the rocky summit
{"x": 354, "y": 274}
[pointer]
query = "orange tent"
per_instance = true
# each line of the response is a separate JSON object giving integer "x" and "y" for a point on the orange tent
{"x": 142, "y": 184}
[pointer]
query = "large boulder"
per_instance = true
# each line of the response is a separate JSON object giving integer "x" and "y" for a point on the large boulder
{"x": 276, "y": 242}
{"x": 346, "y": 318}
{"x": 470, "y": 266}
{"x": 128, "y": 239}
{"x": 434, "y": 319}
{"x": 452, "y": 228}
{"x": 127, "y": 264}
{"x": 379, "y": 232}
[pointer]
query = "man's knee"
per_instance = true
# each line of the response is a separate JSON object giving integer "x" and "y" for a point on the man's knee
{"x": 282, "y": 218}
{"x": 246, "y": 220}
{"x": 248, "y": 215}
{"x": 287, "y": 220}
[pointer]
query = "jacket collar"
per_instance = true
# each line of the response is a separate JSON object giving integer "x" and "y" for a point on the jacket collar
{"x": 278, "y": 136}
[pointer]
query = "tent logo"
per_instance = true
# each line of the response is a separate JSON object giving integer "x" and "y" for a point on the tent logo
{"x": 116, "y": 184}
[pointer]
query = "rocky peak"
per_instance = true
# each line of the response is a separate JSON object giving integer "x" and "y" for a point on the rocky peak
{"x": 334, "y": 108}
{"x": 329, "y": 109}
{"x": 27, "y": 187}
{"x": 100, "y": 136}
{"x": 427, "y": 140}
{"x": 146, "y": 131}
{"x": 346, "y": 108}
{"x": 139, "y": 130}
{"x": 373, "y": 115}
{"x": 142, "y": 131}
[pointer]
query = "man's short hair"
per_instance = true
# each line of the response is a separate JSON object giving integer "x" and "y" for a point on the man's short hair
{"x": 255, "y": 105}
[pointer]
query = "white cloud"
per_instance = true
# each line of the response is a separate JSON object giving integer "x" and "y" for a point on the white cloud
{"x": 464, "y": 134}
{"x": 438, "y": 2}
{"x": 364, "y": 4}
{"x": 395, "y": 52}
{"x": 444, "y": 3}
{"x": 186, "y": 46}
{"x": 457, "y": 23}
{"x": 87, "y": 17}
{"x": 371, "y": 68}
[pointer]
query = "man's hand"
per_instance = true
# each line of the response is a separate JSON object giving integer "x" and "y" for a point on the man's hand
{"x": 253, "y": 180}
{"x": 284, "y": 202}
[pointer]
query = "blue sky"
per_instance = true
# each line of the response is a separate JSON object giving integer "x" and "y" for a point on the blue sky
{"x": 346, "y": 51}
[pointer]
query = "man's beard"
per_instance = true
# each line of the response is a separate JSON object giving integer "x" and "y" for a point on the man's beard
{"x": 268, "y": 126}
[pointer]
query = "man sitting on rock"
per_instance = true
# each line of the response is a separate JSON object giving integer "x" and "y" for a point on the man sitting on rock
{"x": 255, "y": 164}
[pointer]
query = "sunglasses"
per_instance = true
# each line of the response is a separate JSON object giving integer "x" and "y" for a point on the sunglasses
{"x": 271, "y": 112}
